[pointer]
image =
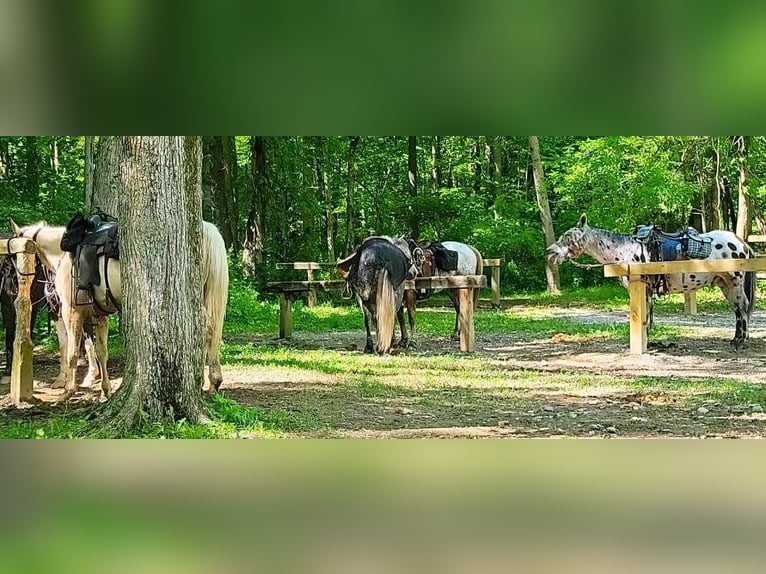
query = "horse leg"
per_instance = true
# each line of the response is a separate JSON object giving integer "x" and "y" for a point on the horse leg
{"x": 94, "y": 368}
{"x": 411, "y": 299}
{"x": 102, "y": 355}
{"x": 74, "y": 321}
{"x": 404, "y": 341}
{"x": 735, "y": 294}
{"x": 61, "y": 331}
{"x": 213, "y": 363}
{"x": 456, "y": 304}
{"x": 368, "y": 348}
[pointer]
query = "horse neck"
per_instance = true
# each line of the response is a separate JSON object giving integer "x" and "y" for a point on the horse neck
{"x": 48, "y": 243}
{"x": 609, "y": 247}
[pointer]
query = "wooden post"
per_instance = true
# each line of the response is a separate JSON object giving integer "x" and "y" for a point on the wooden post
{"x": 311, "y": 297}
{"x": 638, "y": 318}
{"x": 690, "y": 303}
{"x": 466, "y": 320}
{"x": 496, "y": 286}
{"x": 285, "y": 315}
{"x": 21, "y": 370}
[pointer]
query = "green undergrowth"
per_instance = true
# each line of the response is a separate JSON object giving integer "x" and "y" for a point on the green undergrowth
{"x": 229, "y": 419}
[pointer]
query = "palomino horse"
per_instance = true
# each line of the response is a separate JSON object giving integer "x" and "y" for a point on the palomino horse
{"x": 215, "y": 274}
{"x": 609, "y": 247}
{"x": 376, "y": 273}
{"x": 469, "y": 262}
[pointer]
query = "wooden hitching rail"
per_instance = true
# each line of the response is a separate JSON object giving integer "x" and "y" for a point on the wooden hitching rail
{"x": 465, "y": 285}
{"x": 21, "y": 369}
{"x": 637, "y": 288}
{"x": 310, "y": 266}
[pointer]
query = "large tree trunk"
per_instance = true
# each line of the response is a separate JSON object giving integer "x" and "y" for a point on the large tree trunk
{"x": 33, "y": 166}
{"x": 743, "y": 201}
{"x": 252, "y": 253}
{"x": 218, "y": 187}
{"x": 105, "y": 185}
{"x": 476, "y": 155}
{"x": 714, "y": 219}
{"x": 353, "y": 144}
{"x": 325, "y": 192}
{"x": 551, "y": 270}
{"x": 161, "y": 246}
{"x": 89, "y": 170}
{"x": 412, "y": 177}
{"x": 229, "y": 146}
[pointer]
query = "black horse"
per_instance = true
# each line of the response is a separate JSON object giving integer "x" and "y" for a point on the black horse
{"x": 9, "y": 287}
{"x": 376, "y": 273}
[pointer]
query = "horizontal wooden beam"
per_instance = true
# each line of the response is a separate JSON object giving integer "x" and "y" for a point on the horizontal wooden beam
{"x": 306, "y": 265}
{"x": 690, "y": 266}
{"x": 756, "y": 238}
{"x": 453, "y": 282}
{"x": 16, "y": 245}
{"x": 492, "y": 262}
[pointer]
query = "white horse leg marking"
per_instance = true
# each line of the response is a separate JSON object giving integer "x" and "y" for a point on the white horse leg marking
{"x": 60, "y": 379}
{"x": 94, "y": 371}
{"x": 101, "y": 335}
{"x": 74, "y": 321}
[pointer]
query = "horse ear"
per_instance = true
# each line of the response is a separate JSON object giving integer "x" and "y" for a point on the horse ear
{"x": 16, "y": 228}
{"x": 583, "y": 221}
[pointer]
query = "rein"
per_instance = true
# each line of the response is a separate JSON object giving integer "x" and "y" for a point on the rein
{"x": 586, "y": 265}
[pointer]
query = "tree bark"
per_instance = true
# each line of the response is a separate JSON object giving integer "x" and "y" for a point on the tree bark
{"x": 54, "y": 154}
{"x": 105, "y": 185}
{"x": 412, "y": 177}
{"x": 218, "y": 187}
{"x": 89, "y": 170}
{"x": 252, "y": 253}
{"x": 33, "y": 166}
{"x": 325, "y": 192}
{"x": 496, "y": 163}
{"x": 161, "y": 246}
{"x": 229, "y": 147}
{"x": 714, "y": 220}
{"x": 436, "y": 160}
{"x": 353, "y": 144}
{"x": 476, "y": 155}
{"x": 743, "y": 195}
{"x": 551, "y": 270}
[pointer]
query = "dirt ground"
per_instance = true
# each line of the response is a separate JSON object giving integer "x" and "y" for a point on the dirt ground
{"x": 550, "y": 406}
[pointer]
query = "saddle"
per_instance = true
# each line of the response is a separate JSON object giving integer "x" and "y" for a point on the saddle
{"x": 445, "y": 259}
{"x": 88, "y": 239}
{"x": 685, "y": 243}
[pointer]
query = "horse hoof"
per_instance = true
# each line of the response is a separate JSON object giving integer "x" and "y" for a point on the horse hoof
{"x": 58, "y": 383}
{"x": 68, "y": 394}
{"x": 455, "y": 336}
{"x": 404, "y": 344}
{"x": 90, "y": 381}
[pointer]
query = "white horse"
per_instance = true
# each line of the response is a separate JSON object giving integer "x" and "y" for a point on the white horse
{"x": 215, "y": 275}
{"x": 469, "y": 262}
{"x": 610, "y": 247}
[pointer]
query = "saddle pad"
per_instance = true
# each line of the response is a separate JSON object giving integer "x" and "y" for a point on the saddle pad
{"x": 445, "y": 259}
{"x": 699, "y": 248}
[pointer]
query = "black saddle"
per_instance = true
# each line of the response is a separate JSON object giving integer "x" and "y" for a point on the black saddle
{"x": 88, "y": 239}
{"x": 444, "y": 259}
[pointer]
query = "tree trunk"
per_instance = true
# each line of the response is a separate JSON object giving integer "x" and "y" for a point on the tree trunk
{"x": 714, "y": 220}
{"x": 551, "y": 270}
{"x": 54, "y": 154}
{"x": 320, "y": 164}
{"x": 353, "y": 144}
{"x": 252, "y": 254}
{"x": 412, "y": 176}
{"x": 496, "y": 163}
{"x": 436, "y": 159}
{"x": 105, "y": 186}
{"x": 33, "y": 166}
{"x": 218, "y": 187}
{"x": 161, "y": 246}
{"x": 476, "y": 155}
{"x": 743, "y": 201}
{"x": 89, "y": 170}
{"x": 229, "y": 147}
{"x": 5, "y": 159}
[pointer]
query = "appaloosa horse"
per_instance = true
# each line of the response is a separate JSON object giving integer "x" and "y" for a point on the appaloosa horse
{"x": 469, "y": 262}
{"x": 610, "y": 247}
{"x": 376, "y": 272}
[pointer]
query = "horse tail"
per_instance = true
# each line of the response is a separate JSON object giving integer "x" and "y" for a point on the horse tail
{"x": 215, "y": 280}
{"x": 479, "y": 271}
{"x": 384, "y": 309}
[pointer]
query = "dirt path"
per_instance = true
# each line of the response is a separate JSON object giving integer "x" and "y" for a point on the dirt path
{"x": 517, "y": 384}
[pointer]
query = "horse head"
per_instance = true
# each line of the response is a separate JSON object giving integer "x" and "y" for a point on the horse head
{"x": 570, "y": 245}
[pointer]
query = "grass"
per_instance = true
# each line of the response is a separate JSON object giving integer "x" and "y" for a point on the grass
{"x": 327, "y": 390}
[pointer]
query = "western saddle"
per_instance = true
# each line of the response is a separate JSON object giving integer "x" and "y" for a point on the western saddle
{"x": 686, "y": 243}
{"x": 88, "y": 239}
